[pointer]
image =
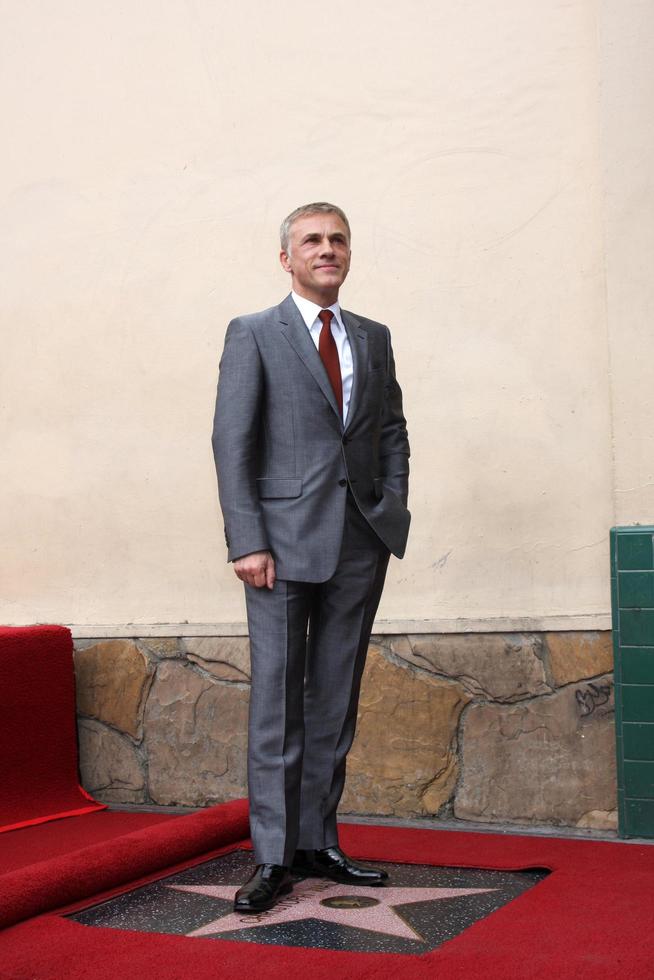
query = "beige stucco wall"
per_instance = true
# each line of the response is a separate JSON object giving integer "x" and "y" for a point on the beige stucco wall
{"x": 477, "y": 149}
{"x": 627, "y": 130}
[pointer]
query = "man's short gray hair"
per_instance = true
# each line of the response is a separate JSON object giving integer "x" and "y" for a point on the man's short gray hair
{"x": 319, "y": 207}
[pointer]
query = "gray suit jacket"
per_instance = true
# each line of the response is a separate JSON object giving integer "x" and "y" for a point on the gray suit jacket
{"x": 283, "y": 456}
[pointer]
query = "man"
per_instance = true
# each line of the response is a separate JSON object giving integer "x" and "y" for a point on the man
{"x": 312, "y": 454}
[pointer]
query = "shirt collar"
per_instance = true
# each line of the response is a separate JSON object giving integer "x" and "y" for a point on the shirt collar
{"x": 309, "y": 311}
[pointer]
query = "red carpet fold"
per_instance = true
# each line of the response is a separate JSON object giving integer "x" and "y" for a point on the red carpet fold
{"x": 38, "y": 750}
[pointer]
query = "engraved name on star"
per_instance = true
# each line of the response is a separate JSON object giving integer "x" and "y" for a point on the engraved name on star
{"x": 375, "y": 909}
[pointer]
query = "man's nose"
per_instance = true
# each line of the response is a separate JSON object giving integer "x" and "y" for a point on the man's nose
{"x": 326, "y": 247}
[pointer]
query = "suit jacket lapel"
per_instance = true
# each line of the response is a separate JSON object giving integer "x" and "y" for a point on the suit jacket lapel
{"x": 295, "y": 330}
{"x": 358, "y": 338}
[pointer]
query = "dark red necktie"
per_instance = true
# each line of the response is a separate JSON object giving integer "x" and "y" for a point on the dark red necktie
{"x": 329, "y": 354}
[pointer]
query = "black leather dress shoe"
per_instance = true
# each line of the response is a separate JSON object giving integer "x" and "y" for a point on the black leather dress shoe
{"x": 268, "y": 883}
{"x": 330, "y": 862}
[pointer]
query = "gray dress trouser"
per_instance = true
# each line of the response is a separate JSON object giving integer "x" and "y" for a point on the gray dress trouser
{"x": 308, "y": 645}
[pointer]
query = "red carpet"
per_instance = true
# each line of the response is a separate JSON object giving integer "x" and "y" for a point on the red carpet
{"x": 58, "y": 837}
{"x": 68, "y": 877}
{"x": 38, "y": 750}
{"x": 593, "y": 917}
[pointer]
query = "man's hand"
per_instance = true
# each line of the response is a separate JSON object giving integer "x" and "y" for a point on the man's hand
{"x": 257, "y": 569}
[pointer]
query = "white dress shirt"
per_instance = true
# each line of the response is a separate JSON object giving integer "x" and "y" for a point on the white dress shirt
{"x": 309, "y": 312}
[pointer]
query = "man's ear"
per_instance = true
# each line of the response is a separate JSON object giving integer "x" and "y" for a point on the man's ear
{"x": 285, "y": 260}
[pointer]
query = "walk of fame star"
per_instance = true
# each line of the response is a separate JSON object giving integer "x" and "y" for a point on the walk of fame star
{"x": 374, "y": 909}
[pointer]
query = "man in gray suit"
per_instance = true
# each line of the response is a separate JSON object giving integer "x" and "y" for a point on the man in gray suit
{"x": 311, "y": 452}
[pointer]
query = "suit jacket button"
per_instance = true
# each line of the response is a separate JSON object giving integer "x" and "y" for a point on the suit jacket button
{"x": 342, "y": 483}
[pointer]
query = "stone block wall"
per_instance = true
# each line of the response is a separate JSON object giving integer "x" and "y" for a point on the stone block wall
{"x": 497, "y": 727}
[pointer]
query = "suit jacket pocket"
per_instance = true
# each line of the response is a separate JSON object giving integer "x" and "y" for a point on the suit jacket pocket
{"x": 270, "y": 487}
{"x": 387, "y": 497}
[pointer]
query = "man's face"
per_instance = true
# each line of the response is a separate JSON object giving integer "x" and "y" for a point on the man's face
{"x": 318, "y": 257}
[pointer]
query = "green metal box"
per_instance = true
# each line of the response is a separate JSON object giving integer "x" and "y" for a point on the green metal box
{"x": 632, "y": 603}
